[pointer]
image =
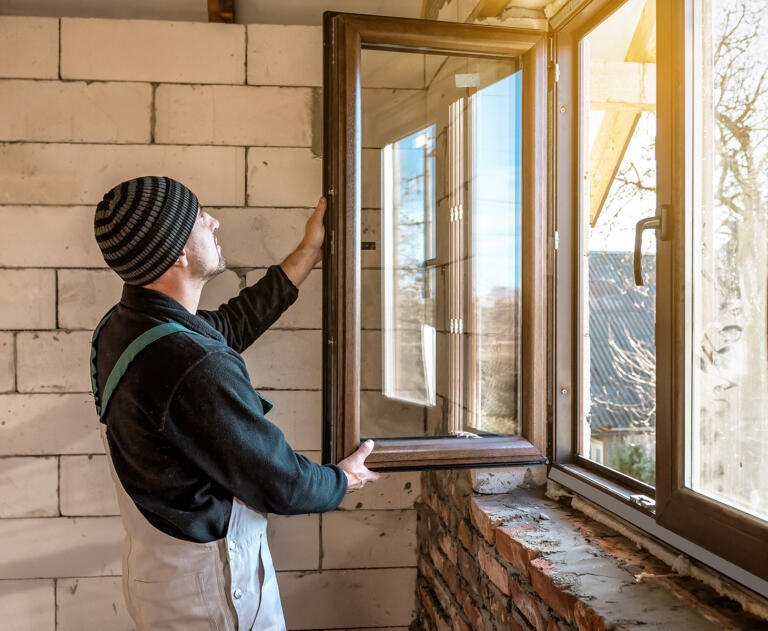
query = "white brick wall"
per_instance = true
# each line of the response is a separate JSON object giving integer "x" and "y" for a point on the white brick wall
{"x": 283, "y": 177}
{"x": 29, "y": 299}
{"x": 85, "y": 296}
{"x": 79, "y": 600}
{"x": 29, "y": 604}
{"x": 53, "y": 361}
{"x": 7, "y": 362}
{"x": 84, "y": 112}
{"x": 81, "y": 173}
{"x": 86, "y": 487}
{"x": 285, "y": 55}
{"x": 29, "y": 47}
{"x": 29, "y": 487}
{"x": 134, "y": 98}
{"x": 147, "y": 50}
{"x": 255, "y": 237}
{"x": 234, "y": 115}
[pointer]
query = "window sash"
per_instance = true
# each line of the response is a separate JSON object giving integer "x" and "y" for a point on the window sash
{"x": 722, "y": 529}
{"x": 729, "y": 540}
{"x": 344, "y": 36}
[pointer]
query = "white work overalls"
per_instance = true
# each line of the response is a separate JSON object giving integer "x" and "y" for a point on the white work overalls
{"x": 171, "y": 584}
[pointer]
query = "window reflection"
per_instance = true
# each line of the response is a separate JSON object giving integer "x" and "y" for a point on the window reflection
{"x": 441, "y": 231}
{"x": 408, "y": 274}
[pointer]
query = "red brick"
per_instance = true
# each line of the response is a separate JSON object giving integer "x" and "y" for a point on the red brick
{"x": 459, "y": 624}
{"x": 471, "y": 611}
{"x": 449, "y": 547}
{"x": 465, "y": 536}
{"x": 428, "y": 603}
{"x": 526, "y": 603}
{"x": 451, "y": 577}
{"x": 494, "y": 570}
{"x": 483, "y": 521}
{"x": 444, "y": 597}
{"x": 437, "y": 558}
{"x": 430, "y": 498}
{"x": 587, "y": 619}
{"x": 437, "y": 504}
{"x": 468, "y": 567}
{"x": 431, "y": 607}
{"x": 550, "y": 592}
{"x": 514, "y": 551}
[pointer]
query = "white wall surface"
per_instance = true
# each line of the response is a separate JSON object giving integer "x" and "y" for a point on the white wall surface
{"x": 232, "y": 112}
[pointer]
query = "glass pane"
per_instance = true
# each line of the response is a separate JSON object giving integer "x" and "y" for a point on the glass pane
{"x": 728, "y": 431}
{"x": 440, "y": 277}
{"x": 617, "y": 130}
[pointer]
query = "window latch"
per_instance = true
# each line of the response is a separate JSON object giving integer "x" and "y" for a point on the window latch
{"x": 659, "y": 223}
{"x": 643, "y": 501}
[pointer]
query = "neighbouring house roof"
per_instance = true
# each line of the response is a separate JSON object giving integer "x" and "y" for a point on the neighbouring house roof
{"x": 621, "y": 336}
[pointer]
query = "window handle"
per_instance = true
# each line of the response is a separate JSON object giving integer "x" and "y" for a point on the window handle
{"x": 658, "y": 223}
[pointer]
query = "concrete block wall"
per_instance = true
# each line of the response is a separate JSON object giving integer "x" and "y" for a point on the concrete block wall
{"x": 235, "y": 113}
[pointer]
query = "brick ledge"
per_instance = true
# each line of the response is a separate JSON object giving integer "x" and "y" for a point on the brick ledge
{"x": 590, "y": 576}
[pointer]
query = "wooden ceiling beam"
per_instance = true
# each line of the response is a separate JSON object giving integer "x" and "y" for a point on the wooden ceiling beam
{"x": 623, "y": 91}
{"x": 221, "y": 11}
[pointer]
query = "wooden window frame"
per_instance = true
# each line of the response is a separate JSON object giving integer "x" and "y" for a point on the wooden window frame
{"x": 567, "y": 357}
{"x": 725, "y": 531}
{"x": 344, "y": 36}
{"x": 713, "y": 527}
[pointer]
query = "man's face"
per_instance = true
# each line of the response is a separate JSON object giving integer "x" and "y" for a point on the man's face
{"x": 203, "y": 249}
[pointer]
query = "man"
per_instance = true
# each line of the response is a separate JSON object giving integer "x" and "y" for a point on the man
{"x": 195, "y": 463}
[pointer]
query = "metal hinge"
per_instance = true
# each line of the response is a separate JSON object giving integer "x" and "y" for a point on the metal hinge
{"x": 557, "y": 240}
{"x": 557, "y": 73}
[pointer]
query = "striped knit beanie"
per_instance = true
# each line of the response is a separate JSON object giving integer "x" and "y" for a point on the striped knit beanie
{"x": 142, "y": 226}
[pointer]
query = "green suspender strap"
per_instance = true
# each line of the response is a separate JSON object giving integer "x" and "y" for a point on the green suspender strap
{"x": 125, "y": 359}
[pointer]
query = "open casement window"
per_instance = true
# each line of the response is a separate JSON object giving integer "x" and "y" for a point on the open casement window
{"x": 660, "y": 382}
{"x": 434, "y": 275}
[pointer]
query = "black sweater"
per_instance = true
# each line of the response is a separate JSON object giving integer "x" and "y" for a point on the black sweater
{"x": 187, "y": 430}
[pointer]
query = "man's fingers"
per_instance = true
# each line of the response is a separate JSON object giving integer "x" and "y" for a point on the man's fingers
{"x": 321, "y": 205}
{"x": 364, "y": 450}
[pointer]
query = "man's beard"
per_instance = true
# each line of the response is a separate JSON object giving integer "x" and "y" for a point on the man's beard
{"x": 220, "y": 267}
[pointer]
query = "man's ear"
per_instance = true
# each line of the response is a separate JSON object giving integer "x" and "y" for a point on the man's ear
{"x": 183, "y": 260}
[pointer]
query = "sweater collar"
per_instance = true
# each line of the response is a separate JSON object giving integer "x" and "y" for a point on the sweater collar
{"x": 159, "y": 305}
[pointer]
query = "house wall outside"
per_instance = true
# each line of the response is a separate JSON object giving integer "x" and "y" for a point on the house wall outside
{"x": 235, "y": 113}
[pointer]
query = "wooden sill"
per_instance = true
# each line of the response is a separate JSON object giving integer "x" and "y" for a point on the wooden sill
{"x": 452, "y": 452}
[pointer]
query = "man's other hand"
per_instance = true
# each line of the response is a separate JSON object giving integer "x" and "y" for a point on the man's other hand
{"x": 300, "y": 262}
{"x": 314, "y": 232}
{"x": 356, "y": 471}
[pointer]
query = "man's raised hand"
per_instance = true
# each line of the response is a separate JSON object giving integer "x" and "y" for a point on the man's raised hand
{"x": 356, "y": 471}
{"x": 314, "y": 232}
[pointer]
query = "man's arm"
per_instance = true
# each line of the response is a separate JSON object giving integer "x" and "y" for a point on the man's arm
{"x": 300, "y": 262}
{"x": 215, "y": 419}
{"x": 246, "y": 316}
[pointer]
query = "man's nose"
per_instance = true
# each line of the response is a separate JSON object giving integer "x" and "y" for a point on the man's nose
{"x": 214, "y": 223}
